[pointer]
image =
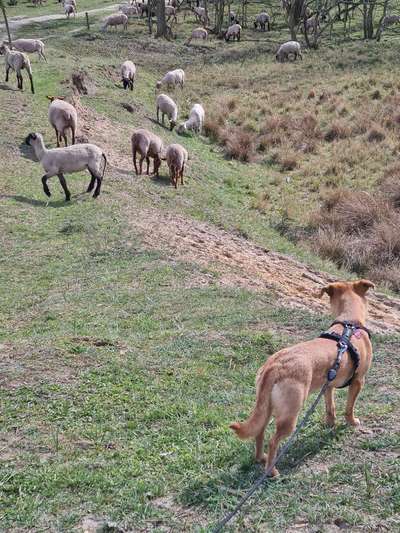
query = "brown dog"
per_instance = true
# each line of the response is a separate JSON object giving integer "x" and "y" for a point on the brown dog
{"x": 285, "y": 381}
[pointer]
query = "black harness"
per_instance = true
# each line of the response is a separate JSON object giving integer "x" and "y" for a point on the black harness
{"x": 344, "y": 345}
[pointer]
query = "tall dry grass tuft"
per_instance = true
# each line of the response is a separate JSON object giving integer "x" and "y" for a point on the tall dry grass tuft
{"x": 360, "y": 231}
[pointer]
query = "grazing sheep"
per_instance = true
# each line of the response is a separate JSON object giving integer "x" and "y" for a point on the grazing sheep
{"x": 234, "y": 18}
{"x": 69, "y": 9}
{"x": 198, "y": 33}
{"x": 288, "y": 48}
{"x": 17, "y": 61}
{"x": 60, "y": 161}
{"x": 69, "y": 2}
{"x": 312, "y": 25}
{"x": 128, "y": 73}
{"x": 148, "y": 145}
{"x": 388, "y": 20}
{"x": 62, "y": 116}
{"x": 195, "y": 121}
{"x": 234, "y": 32}
{"x": 176, "y": 157}
{"x": 262, "y": 19}
{"x": 129, "y": 10}
{"x": 172, "y": 78}
{"x": 171, "y": 12}
{"x": 168, "y": 107}
{"x": 29, "y": 46}
{"x": 201, "y": 15}
{"x": 117, "y": 19}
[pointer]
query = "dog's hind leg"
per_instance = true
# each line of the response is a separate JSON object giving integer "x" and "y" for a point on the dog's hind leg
{"x": 354, "y": 391}
{"x": 261, "y": 457}
{"x": 330, "y": 408}
{"x": 284, "y": 427}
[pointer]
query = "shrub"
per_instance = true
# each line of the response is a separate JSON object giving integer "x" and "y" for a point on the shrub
{"x": 239, "y": 144}
{"x": 376, "y": 135}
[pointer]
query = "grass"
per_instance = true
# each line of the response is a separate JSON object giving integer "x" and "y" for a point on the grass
{"x": 124, "y": 363}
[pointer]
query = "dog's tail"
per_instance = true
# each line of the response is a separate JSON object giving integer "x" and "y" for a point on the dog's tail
{"x": 262, "y": 411}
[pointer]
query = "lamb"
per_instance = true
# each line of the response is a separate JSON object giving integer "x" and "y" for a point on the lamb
{"x": 69, "y": 9}
{"x": 172, "y": 78}
{"x": 29, "y": 46}
{"x": 195, "y": 121}
{"x": 60, "y": 161}
{"x": 290, "y": 47}
{"x": 198, "y": 33}
{"x": 148, "y": 145}
{"x": 62, "y": 116}
{"x": 168, "y": 107}
{"x": 261, "y": 20}
{"x": 128, "y": 72}
{"x": 176, "y": 156}
{"x": 17, "y": 61}
{"x": 117, "y": 19}
{"x": 234, "y": 32}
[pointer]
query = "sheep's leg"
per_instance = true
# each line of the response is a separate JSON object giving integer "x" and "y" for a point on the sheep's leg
{"x": 7, "y": 71}
{"x": 182, "y": 170}
{"x": 45, "y": 187}
{"x": 157, "y": 164}
{"x": 148, "y": 164}
{"x": 142, "y": 158}
{"x": 134, "y": 162}
{"x": 64, "y": 186}
{"x": 98, "y": 186}
{"x": 73, "y": 135}
{"x": 158, "y": 114}
{"x": 57, "y": 139}
{"x": 92, "y": 182}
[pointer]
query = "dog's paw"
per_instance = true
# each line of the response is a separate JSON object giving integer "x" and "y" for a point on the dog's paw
{"x": 330, "y": 421}
{"x": 262, "y": 459}
{"x": 354, "y": 422}
{"x": 274, "y": 472}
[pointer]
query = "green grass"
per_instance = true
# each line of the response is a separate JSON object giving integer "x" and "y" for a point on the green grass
{"x": 124, "y": 364}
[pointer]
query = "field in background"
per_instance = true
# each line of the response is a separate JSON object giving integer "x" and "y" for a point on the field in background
{"x": 122, "y": 363}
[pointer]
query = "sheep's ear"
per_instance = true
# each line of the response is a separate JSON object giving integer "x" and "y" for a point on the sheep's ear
{"x": 51, "y": 98}
{"x": 361, "y": 286}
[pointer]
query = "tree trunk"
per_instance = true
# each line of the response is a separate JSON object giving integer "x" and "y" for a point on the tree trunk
{"x": 161, "y": 21}
{"x": 3, "y": 10}
{"x": 380, "y": 29}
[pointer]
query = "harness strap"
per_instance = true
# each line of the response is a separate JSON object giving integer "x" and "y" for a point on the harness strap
{"x": 355, "y": 325}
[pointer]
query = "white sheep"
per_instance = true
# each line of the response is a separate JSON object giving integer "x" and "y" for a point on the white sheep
{"x": 198, "y": 33}
{"x": 201, "y": 15}
{"x": 62, "y": 116}
{"x": 128, "y": 73}
{"x": 388, "y": 20}
{"x": 195, "y": 121}
{"x": 60, "y": 161}
{"x": 312, "y": 25}
{"x": 170, "y": 11}
{"x": 262, "y": 19}
{"x": 168, "y": 107}
{"x": 29, "y": 46}
{"x": 148, "y": 145}
{"x": 69, "y": 2}
{"x": 129, "y": 10}
{"x": 234, "y": 32}
{"x": 17, "y": 61}
{"x": 69, "y": 9}
{"x": 177, "y": 157}
{"x": 172, "y": 78}
{"x": 287, "y": 49}
{"x": 117, "y": 19}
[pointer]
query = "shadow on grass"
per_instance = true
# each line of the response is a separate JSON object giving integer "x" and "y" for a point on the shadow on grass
{"x": 162, "y": 180}
{"x": 27, "y": 152}
{"x": 198, "y": 493}
{"x": 4, "y": 87}
{"x": 35, "y": 203}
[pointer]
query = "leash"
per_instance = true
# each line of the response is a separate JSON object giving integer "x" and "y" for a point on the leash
{"x": 220, "y": 526}
{"x": 343, "y": 344}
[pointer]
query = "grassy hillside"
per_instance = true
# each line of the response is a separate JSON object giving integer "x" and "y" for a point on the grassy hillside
{"x": 122, "y": 363}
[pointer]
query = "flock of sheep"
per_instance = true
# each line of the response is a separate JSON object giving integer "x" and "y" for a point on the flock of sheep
{"x": 145, "y": 144}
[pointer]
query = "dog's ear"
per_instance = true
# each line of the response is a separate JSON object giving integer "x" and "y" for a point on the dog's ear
{"x": 361, "y": 286}
{"x": 328, "y": 289}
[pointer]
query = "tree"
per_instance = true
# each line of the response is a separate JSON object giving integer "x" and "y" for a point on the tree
{"x": 294, "y": 10}
{"x": 3, "y": 10}
{"x": 161, "y": 20}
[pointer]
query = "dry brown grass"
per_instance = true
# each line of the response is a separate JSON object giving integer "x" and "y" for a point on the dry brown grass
{"x": 360, "y": 231}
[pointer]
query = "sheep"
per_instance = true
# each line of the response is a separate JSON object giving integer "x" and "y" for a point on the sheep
{"x": 117, "y": 19}
{"x": 170, "y": 11}
{"x": 290, "y": 47}
{"x": 62, "y": 116}
{"x": 388, "y": 20}
{"x": 17, "y": 61}
{"x": 172, "y": 78}
{"x": 198, "y": 33}
{"x": 234, "y": 32}
{"x": 312, "y": 25}
{"x": 168, "y": 107}
{"x": 176, "y": 156}
{"x": 128, "y": 72}
{"x": 262, "y": 19}
{"x": 195, "y": 121}
{"x": 233, "y": 18}
{"x": 60, "y": 161}
{"x": 129, "y": 10}
{"x": 69, "y": 2}
{"x": 148, "y": 145}
{"x": 29, "y": 46}
{"x": 201, "y": 15}
{"x": 69, "y": 9}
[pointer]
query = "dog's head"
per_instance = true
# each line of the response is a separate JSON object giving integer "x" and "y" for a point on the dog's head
{"x": 348, "y": 296}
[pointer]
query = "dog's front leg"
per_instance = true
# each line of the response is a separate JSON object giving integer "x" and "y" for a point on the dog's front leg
{"x": 354, "y": 391}
{"x": 330, "y": 407}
